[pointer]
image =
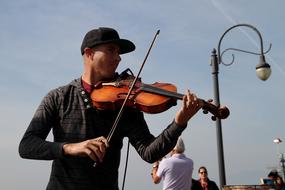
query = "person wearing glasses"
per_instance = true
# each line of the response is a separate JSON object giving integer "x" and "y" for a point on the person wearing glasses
{"x": 204, "y": 182}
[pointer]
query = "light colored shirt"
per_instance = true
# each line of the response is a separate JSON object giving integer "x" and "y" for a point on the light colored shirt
{"x": 176, "y": 172}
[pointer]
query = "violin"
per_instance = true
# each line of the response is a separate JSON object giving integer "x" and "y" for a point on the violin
{"x": 149, "y": 98}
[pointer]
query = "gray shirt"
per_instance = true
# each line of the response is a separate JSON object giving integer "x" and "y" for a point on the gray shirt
{"x": 69, "y": 113}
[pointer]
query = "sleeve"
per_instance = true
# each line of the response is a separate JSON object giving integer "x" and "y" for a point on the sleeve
{"x": 152, "y": 148}
{"x": 34, "y": 145}
{"x": 161, "y": 169}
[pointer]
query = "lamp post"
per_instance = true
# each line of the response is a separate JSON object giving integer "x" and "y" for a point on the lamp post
{"x": 281, "y": 156}
{"x": 263, "y": 71}
{"x": 282, "y": 163}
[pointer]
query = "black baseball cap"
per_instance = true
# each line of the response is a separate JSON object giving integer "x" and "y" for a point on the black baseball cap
{"x": 104, "y": 35}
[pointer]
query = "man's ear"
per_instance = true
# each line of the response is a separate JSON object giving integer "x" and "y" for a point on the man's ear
{"x": 88, "y": 52}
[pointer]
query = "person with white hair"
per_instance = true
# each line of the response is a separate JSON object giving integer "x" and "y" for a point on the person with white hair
{"x": 175, "y": 171}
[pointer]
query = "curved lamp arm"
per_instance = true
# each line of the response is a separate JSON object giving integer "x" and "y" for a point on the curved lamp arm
{"x": 262, "y": 69}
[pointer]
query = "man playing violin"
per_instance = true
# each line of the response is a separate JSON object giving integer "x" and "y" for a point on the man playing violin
{"x": 80, "y": 129}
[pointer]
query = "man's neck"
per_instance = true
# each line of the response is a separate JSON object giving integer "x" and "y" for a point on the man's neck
{"x": 90, "y": 78}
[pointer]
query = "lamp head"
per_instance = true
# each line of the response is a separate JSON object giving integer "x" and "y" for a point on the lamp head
{"x": 277, "y": 140}
{"x": 263, "y": 69}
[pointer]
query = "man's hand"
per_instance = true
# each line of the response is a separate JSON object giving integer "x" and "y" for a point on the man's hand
{"x": 94, "y": 148}
{"x": 191, "y": 105}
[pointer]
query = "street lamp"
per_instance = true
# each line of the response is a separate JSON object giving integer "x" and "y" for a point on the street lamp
{"x": 281, "y": 156}
{"x": 263, "y": 71}
{"x": 277, "y": 141}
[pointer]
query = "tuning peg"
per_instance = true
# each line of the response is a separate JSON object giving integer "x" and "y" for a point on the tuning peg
{"x": 214, "y": 118}
{"x": 205, "y": 111}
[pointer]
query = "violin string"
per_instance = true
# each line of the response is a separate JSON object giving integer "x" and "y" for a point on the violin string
{"x": 161, "y": 91}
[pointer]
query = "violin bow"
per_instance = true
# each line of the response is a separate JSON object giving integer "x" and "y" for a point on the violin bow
{"x": 129, "y": 92}
{"x": 115, "y": 124}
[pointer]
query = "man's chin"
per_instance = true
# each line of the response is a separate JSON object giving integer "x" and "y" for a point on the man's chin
{"x": 111, "y": 77}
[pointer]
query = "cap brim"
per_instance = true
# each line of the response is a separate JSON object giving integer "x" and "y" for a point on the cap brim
{"x": 126, "y": 46}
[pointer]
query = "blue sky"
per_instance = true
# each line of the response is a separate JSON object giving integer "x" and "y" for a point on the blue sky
{"x": 40, "y": 50}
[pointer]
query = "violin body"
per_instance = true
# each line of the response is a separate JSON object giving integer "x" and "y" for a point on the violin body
{"x": 112, "y": 95}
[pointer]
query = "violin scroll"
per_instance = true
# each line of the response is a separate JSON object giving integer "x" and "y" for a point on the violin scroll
{"x": 217, "y": 111}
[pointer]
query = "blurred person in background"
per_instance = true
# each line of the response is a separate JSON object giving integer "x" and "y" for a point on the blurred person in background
{"x": 175, "y": 171}
{"x": 279, "y": 183}
{"x": 204, "y": 182}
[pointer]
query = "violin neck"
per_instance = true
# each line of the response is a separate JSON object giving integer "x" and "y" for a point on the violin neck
{"x": 167, "y": 93}
{"x": 159, "y": 91}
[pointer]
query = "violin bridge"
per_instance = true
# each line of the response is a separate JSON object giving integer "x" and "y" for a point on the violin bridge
{"x": 115, "y": 84}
